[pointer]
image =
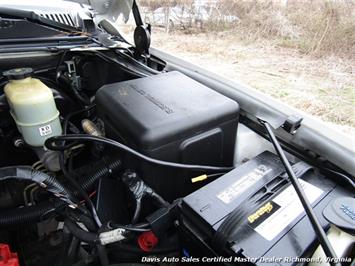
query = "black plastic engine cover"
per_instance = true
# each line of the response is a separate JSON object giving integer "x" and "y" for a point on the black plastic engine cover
{"x": 173, "y": 118}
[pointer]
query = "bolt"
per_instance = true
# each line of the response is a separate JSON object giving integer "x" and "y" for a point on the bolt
{"x": 19, "y": 143}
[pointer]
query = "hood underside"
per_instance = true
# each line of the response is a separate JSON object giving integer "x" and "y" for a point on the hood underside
{"x": 111, "y": 9}
{"x": 66, "y": 12}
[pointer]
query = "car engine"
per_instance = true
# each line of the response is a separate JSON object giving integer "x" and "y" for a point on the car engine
{"x": 105, "y": 161}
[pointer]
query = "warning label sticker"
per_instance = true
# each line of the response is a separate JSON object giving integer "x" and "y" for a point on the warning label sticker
{"x": 237, "y": 188}
{"x": 45, "y": 130}
{"x": 289, "y": 208}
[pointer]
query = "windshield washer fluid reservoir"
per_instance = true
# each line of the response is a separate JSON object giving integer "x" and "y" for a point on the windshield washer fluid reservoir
{"x": 32, "y": 107}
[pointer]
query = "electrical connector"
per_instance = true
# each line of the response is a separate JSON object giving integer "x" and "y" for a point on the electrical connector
{"x": 8, "y": 258}
{"x": 199, "y": 178}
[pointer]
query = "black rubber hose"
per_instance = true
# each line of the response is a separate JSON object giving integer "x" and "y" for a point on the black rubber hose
{"x": 73, "y": 114}
{"x": 102, "y": 254}
{"x": 90, "y": 225}
{"x": 93, "y": 238}
{"x": 56, "y": 144}
{"x": 107, "y": 168}
{"x": 82, "y": 218}
{"x": 81, "y": 99}
{"x": 137, "y": 212}
{"x": 71, "y": 251}
{"x": 159, "y": 199}
{"x": 80, "y": 190}
{"x": 36, "y": 213}
{"x": 81, "y": 234}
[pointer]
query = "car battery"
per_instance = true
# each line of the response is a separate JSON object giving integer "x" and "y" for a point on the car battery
{"x": 253, "y": 215}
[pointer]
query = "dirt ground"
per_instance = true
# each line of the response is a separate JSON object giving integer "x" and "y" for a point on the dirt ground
{"x": 323, "y": 87}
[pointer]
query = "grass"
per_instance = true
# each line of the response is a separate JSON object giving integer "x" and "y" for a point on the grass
{"x": 314, "y": 27}
{"x": 323, "y": 87}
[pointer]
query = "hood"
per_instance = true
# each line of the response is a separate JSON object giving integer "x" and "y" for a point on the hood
{"x": 111, "y": 10}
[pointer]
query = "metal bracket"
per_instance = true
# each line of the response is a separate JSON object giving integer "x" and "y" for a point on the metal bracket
{"x": 71, "y": 67}
{"x": 74, "y": 78}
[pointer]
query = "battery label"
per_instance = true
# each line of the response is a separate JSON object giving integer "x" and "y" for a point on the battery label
{"x": 237, "y": 188}
{"x": 289, "y": 208}
{"x": 263, "y": 213}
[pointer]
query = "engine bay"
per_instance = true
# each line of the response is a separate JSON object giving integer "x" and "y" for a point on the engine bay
{"x": 106, "y": 161}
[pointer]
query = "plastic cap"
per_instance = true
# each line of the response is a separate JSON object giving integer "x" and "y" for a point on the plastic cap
{"x": 18, "y": 73}
{"x": 147, "y": 241}
{"x": 341, "y": 213}
{"x": 7, "y": 258}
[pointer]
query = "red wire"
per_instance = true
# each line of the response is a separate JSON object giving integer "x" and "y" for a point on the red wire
{"x": 90, "y": 195}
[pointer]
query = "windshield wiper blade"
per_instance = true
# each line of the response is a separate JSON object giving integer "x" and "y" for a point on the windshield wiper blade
{"x": 33, "y": 17}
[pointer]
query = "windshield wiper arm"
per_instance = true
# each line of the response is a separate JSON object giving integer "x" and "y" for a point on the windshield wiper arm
{"x": 33, "y": 17}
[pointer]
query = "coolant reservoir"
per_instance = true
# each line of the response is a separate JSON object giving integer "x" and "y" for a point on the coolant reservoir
{"x": 32, "y": 106}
